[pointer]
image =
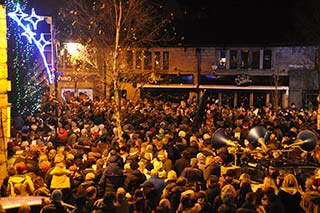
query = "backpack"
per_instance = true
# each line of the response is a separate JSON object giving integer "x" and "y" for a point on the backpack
{"x": 18, "y": 185}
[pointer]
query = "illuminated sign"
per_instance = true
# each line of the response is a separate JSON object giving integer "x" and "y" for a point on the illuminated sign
{"x": 29, "y": 24}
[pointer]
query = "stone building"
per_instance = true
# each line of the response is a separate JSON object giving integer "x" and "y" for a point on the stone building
{"x": 234, "y": 76}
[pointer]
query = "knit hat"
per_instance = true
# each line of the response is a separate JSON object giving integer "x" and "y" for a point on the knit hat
{"x": 20, "y": 167}
{"x": 182, "y": 134}
{"x": 206, "y": 136}
{"x": 56, "y": 195}
{"x": 90, "y": 176}
{"x": 172, "y": 175}
{"x": 193, "y": 138}
{"x": 45, "y": 166}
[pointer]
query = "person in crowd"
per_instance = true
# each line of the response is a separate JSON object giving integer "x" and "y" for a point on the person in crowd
{"x": 55, "y": 204}
{"x": 121, "y": 203}
{"x": 108, "y": 203}
{"x": 20, "y": 184}
{"x": 290, "y": 195}
{"x": 249, "y": 206}
{"x": 192, "y": 173}
{"x": 270, "y": 202}
{"x": 158, "y": 136}
{"x": 188, "y": 202}
{"x": 245, "y": 187}
{"x": 229, "y": 193}
{"x": 134, "y": 178}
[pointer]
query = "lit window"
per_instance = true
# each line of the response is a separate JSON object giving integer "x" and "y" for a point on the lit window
{"x": 222, "y": 59}
{"x": 138, "y": 60}
{"x": 157, "y": 58}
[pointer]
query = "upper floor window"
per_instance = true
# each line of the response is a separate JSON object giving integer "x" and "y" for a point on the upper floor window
{"x": 157, "y": 58}
{"x": 244, "y": 64}
{"x": 255, "y": 59}
{"x": 165, "y": 60}
{"x": 147, "y": 60}
{"x": 222, "y": 59}
{"x": 138, "y": 60}
{"x": 129, "y": 59}
{"x": 233, "y": 59}
{"x": 267, "y": 56}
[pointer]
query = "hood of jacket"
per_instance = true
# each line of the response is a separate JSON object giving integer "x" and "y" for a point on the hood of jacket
{"x": 59, "y": 171}
{"x": 289, "y": 190}
{"x": 18, "y": 178}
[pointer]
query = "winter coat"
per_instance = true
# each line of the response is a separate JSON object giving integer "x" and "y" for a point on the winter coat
{"x": 60, "y": 178}
{"x": 114, "y": 166}
{"x": 180, "y": 164}
{"x": 291, "y": 199}
{"x": 133, "y": 181}
{"x": 20, "y": 185}
{"x": 54, "y": 207}
{"x": 192, "y": 174}
{"x": 247, "y": 208}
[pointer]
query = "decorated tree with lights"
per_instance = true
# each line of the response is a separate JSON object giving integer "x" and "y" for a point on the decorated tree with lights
{"x": 111, "y": 28}
{"x": 26, "y": 71}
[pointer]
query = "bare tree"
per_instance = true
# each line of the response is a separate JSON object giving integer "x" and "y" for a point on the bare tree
{"x": 111, "y": 28}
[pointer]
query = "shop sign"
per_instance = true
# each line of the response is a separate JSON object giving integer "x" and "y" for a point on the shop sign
{"x": 65, "y": 78}
{"x": 242, "y": 80}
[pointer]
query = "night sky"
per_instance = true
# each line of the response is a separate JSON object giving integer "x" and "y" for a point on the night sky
{"x": 223, "y": 22}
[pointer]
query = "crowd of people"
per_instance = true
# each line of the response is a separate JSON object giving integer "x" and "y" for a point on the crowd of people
{"x": 165, "y": 161}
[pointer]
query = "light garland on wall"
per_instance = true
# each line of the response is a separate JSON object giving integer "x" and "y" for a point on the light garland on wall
{"x": 29, "y": 25}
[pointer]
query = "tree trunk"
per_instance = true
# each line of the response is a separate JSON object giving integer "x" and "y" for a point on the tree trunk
{"x": 118, "y": 12}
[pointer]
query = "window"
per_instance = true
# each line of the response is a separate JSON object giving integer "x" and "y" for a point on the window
{"x": 147, "y": 60}
{"x": 255, "y": 59}
{"x": 165, "y": 60}
{"x": 138, "y": 60}
{"x": 244, "y": 59}
{"x": 157, "y": 58}
{"x": 222, "y": 59}
{"x": 233, "y": 59}
{"x": 129, "y": 59}
{"x": 267, "y": 55}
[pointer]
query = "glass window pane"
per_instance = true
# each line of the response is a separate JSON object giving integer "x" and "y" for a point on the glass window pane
{"x": 267, "y": 55}
{"x": 147, "y": 60}
{"x": 233, "y": 59}
{"x": 129, "y": 59}
{"x": 244, "y": 59}
{"x": 165, "y": 60}
{"x": 222, "y": 59}
{"x": 255, "y": 59}
{"x": 138, "y": 60}
{"x": 157, "y": 58}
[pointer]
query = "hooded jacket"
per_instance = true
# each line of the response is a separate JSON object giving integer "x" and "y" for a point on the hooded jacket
{"x": 20, "y": 185}
{"x": 290, "y": 198}
{"x": 60, "y": 178}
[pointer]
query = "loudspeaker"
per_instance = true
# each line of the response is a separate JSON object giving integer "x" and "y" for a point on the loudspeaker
{"x": 306, "y": 140}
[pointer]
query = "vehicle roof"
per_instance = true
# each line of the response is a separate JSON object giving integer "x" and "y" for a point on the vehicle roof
{"x": 14, "y": 202}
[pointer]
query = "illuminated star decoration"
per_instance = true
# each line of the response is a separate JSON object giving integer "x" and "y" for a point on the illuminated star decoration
{"x": 25, "y": 21}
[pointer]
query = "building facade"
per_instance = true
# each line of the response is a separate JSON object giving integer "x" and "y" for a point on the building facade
{"x": 234, "y": 76}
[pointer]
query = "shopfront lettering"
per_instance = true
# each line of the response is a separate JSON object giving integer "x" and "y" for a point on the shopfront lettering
{"x": 243, "y": 79}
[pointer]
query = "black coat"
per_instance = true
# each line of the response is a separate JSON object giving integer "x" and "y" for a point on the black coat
{"x": 133, "y": 180}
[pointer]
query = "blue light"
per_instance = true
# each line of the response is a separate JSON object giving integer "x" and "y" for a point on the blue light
{"x": 24, "y": 20}
{"x": 211, "y": 76}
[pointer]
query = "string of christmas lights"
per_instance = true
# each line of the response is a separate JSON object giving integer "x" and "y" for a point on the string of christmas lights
{"x": 27, "y": 85}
